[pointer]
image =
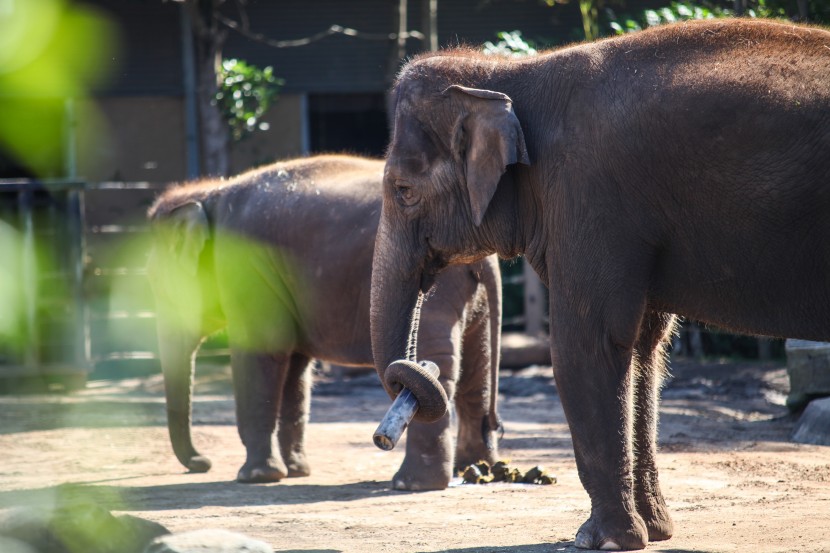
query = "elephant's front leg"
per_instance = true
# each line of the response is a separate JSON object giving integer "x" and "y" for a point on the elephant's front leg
{"x": 591, "y": 343}
{"x": 294, "y": 413}
{"x": 428, "y": 462}
{"x": 258, "y": 381}
{"x": 650, "y": 352}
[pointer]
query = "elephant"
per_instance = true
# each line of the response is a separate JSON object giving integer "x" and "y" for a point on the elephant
{"x": 281, "y": 256}
{"x": 679, "y": 171}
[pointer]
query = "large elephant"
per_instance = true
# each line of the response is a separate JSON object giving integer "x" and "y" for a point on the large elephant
{"x": 680, "y": 170}
{"x": 282, "y": 256}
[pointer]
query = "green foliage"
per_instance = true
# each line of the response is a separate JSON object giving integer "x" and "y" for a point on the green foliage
{"x": 245, "y": 94}
{"x": 511, "y": 45}
{"x": 676, "y": 11}
{"x": 818, "y": 11}
{"x": 49, "y": 50}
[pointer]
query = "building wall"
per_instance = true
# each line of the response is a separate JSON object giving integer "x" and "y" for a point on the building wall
{"x": 131, "y": 138}
{"x": 142, "y": 138}
{"x": 283, "y": 139}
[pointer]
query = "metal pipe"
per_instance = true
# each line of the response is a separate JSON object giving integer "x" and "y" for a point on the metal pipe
{"x": 400, "y": 414}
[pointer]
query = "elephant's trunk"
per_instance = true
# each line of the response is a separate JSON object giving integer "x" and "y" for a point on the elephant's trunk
{"x": 178, "y": 352}
{"x": 396, "y": 283}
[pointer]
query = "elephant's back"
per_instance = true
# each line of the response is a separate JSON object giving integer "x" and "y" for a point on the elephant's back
{"x": 317, "y": 219}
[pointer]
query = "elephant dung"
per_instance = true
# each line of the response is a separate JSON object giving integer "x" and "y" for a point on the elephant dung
{"x": 538, "y": 475}
{"x": 501, "y": 471}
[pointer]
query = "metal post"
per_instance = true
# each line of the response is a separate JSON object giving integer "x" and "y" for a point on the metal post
{"x": 77, "y": 247}
{"x": 429, "y": 17}
{"x": 29, "y": 276}
{"x": 402, "y": 28}
{"x": 70, "y": 141}
{"x": 191, "y": 119}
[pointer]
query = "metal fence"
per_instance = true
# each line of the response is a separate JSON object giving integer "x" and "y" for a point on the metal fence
{"x": 77, "y": 296}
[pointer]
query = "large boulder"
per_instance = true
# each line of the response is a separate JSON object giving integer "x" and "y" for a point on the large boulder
{"x": 77, "y": 526}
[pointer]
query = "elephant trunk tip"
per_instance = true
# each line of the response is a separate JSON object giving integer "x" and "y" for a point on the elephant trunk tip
{"x": 198, "y": 463}
{"x": 421, "y": 379}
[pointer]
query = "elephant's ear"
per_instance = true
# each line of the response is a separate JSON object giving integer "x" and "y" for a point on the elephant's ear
{"x": 487, "y": 139}
{"x": 187, "y": 232}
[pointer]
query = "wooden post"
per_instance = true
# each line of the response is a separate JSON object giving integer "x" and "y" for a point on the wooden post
{"x": 534, "y": 303}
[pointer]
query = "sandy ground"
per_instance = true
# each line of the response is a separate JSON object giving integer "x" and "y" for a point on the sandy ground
{"x": 733, "y": 479}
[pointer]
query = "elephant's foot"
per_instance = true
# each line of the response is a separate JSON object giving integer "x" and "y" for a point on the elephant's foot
{"x": 269, "y": 470}
{"x": 419, "y": 483}
{"x": 422, "y": 476}
{"x": 476, "y": 442}
{"x": 656, "y": 516}
{"x": 612, "y": 535}
{"x": 298, "y": 466}
{"x": 466, "y": 456}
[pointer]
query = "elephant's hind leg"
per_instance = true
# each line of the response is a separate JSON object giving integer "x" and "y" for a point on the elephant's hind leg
{"x": 477, "y": 427}
{"x": 649, "y": 370}
{"x": 296, "y": 403}
{"x": 258, "y": 381}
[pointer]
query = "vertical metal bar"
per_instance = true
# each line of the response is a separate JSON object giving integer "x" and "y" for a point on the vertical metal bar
{"x": 432, "y": 25}
{"x": 29, "y": 275}
{"x": 191, "y": 120}
{"x": 305, "y": 125}
{"x": 70, "y": 146}
{"x": 75, "y": 224}
{"x": 402, "y": 28}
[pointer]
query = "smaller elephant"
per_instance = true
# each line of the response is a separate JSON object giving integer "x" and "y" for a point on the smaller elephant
{"x": 282, "y": 257}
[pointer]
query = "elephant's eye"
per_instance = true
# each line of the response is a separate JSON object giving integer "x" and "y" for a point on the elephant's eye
{"x": 406, "y": 194}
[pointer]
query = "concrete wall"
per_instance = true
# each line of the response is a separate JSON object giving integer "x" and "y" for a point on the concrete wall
{"x": 283, "y": 139}
{"x": 143, "y": 138}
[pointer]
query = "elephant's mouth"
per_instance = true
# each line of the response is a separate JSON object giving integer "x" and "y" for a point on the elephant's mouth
{"x": 427, "y": 281}
{"x": 433, "y": 265}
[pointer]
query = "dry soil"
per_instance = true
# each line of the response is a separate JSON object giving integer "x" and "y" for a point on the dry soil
{"x": 733, "y": 479}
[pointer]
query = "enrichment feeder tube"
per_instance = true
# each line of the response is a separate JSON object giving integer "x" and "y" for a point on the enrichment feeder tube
{"x": 396, "y": 420}
{"x": 399, "y": 415}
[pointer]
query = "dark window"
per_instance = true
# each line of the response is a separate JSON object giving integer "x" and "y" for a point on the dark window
{"x": 353, "y": 123}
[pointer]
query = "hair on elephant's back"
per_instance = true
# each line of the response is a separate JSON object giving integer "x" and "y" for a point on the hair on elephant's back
{"x": 307, "y": 171}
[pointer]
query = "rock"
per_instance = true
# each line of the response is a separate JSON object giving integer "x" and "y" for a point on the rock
{"x": 813, "y": 426}
{"x": 11, "y": 545}
{"x": 208, "y": 541}
{"x": 80, "y": 526}
{"x": 808, "y": 366}
{"x": 31, "y": 526}
{"x": 522, "y": 350}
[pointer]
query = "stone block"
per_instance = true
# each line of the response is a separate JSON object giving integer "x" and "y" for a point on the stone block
{"x": 813, "y": 426}
{"x": 808, "y": 366}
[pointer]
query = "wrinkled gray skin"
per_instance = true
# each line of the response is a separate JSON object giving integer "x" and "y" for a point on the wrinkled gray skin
{"x": 282, "y": 256}
{"x": 680, "y": 170}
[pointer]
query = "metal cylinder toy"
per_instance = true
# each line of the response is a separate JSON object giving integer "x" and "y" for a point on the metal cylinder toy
{"x": 400, "y": 414}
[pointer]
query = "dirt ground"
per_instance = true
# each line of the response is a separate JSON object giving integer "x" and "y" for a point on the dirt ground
{"x": 733, "y": 479}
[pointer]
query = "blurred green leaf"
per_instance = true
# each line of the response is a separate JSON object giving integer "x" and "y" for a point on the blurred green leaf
{"x": 50, "y": 50}
{"x": 510, "y": 44}
{"x": 245, "y": 94}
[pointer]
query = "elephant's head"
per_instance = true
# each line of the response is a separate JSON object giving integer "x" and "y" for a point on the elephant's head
{"x": 450, "y": 147}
